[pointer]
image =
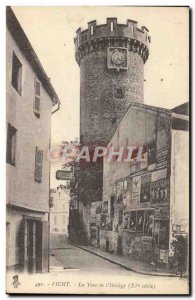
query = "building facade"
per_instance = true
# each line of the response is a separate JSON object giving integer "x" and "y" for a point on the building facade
{"x": 143, "y": 199}
{"x": 30, "y": 97}
{"x": 59, "y": 214}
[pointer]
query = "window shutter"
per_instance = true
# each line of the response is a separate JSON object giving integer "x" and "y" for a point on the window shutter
{"x": 37, "y": 96}
{"x": 38, "y": 164}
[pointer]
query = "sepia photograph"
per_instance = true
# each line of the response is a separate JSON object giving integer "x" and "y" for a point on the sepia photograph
{"x": 97, "y": 150}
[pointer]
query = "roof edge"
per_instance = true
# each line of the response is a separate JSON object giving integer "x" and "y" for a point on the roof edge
{"x": 25, "y": 46}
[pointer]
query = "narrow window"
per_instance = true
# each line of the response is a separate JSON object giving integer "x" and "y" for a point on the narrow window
{"x": 38, "y": 165}
{"x": 111, "y": 26}
{"x": 91, "y": 30}
{"x": 37, "y": 97}
{"x": 11, "y": 145}
{"x": 16, "y": 74}
{"x": 132, "y": 29}
{"x": 119, "y": 93}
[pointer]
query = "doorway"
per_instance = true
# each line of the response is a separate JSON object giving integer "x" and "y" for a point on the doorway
{"x": 33, "y": 246}
{"x": 119, "y": 246}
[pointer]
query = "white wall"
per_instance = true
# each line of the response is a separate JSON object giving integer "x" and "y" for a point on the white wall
{"x": 31, "y": 132}
{"x": 180, "y": 179}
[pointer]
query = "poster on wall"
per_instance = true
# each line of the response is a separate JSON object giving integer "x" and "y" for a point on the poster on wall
{"x": 139, "y": 162}
{"x": 163, "y": 239}
{"x": 145, "y": 194}
{"x": 163, "y": 132}
{"x": 159, "y": 192}
{"x": 162, "y": 158}
{"x": 149, "y": 223}
{"x": 128, "y": 199}
{"x": 136, "y": 189}
{"x": 151, "y": 152}
{"x": 162, "y": 212}
{"x": 119, "y": 191}
{"x": 145, "y": 190}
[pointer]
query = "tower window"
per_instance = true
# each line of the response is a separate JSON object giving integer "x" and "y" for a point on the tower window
{"x": 132, "y": 29}
{"x": 11, "y": 145}
{"x": 119, "y": 93}
{"x": 111, "y": 26}
{"x": 16, "y": 74}
{"x": 91, "y": 29}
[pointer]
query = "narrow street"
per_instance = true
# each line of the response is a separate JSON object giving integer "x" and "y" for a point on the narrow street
{"x": 70, "y": 259}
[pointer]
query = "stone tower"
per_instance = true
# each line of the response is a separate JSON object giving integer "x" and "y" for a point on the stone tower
{"x": 111, "y": 59}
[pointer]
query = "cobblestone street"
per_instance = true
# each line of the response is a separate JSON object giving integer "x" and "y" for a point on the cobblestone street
{"x": 71, "y": 259}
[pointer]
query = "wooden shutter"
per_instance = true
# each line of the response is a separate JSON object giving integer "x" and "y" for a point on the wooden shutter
{"x": 37, "y": 99}
{"x": 38, "y": 164}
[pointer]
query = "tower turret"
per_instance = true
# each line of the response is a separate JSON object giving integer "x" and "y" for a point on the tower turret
{"x": 111, "y": 59}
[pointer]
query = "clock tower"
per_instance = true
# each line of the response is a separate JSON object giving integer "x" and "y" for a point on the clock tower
{"x": 111, "y": 59}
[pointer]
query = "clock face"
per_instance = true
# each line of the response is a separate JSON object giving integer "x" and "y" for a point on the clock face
{"x": 117, "y": 57}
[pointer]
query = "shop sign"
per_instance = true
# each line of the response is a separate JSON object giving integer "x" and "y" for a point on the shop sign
{"x": 63, "y": 175}
{"x": 160, "y": 174}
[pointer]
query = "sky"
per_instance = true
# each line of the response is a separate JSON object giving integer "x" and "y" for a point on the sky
{"x": 51, "y": 30}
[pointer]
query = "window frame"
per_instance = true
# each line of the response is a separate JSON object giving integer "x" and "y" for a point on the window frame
{"x": 16, "y": 83}
{"x": 11, "y": 147}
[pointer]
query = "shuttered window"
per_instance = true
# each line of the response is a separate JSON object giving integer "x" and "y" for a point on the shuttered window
{"x": 16, "y": 74}
{"x": 38, "y": 164}
{"x": 37, "y": 99}
{"x": 11, "y": 145}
